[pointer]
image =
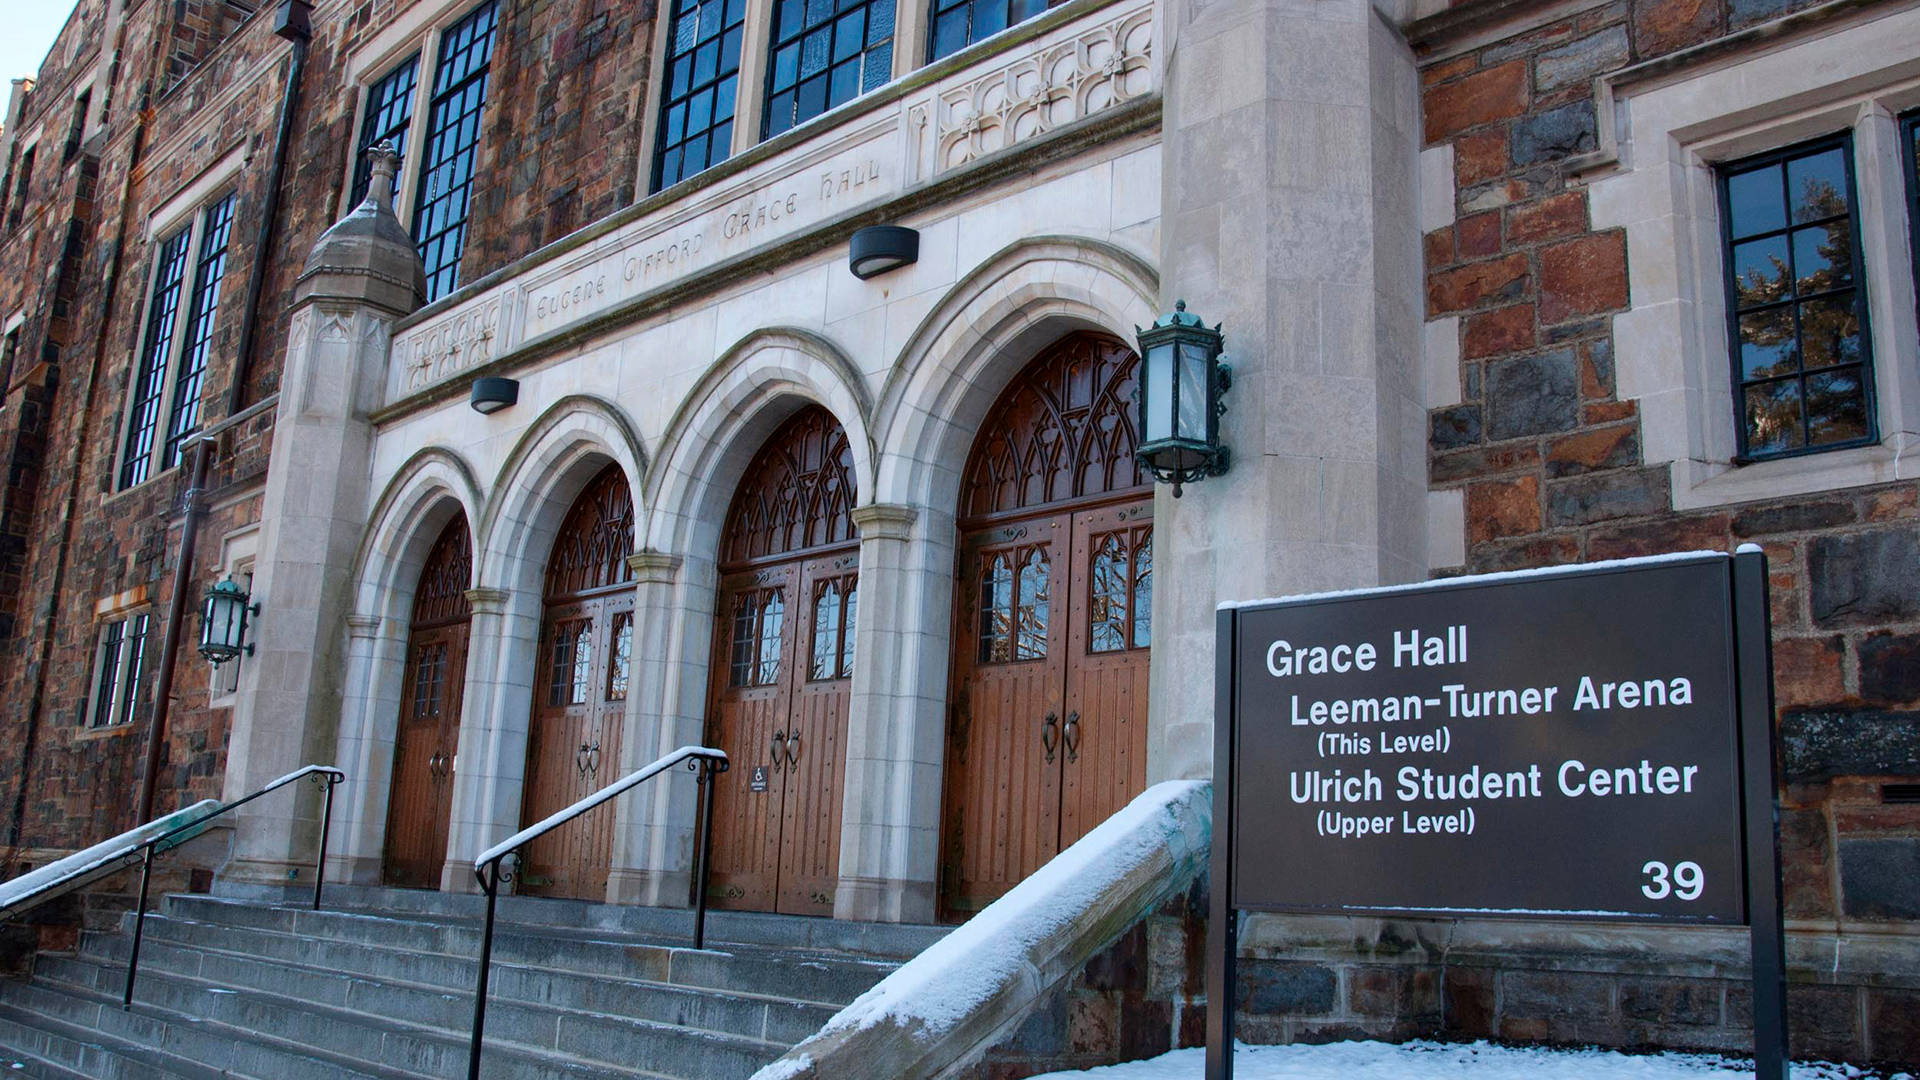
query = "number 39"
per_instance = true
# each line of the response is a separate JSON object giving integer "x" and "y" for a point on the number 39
{"x": 1687, "y": 883}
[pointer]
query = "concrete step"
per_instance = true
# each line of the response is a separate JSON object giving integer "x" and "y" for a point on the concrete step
{"x": 315, "y": 1006}
{"x": 208, "y": 1045}
{"x": 799, "y": 974}
{"x": 671, "y": 926}
{"x": 276, "y": 962}
{"x": 43, "y": 1048}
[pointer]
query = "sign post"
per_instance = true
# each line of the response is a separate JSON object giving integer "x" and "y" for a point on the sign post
{"x": 1415, "y": 749}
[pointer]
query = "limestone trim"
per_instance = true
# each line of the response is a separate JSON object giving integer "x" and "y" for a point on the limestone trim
{"x": 1672, "y": 351}
{"x": 885, "y": 521}
{"x": 363, "y": 626}
{"x": 654, "y": 567}
{"x": 486, "y": 601}
{"x": 572, "y": 429}
{"x": 979, "y": 336}
{"x": 432, "y": 473}
{"x": 723, "y": 419}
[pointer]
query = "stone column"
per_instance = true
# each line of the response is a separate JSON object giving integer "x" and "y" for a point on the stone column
{"x": 366, "y": 755}
{"x": 896, "y": 724}
{"x": 477, "y": 818}
{"x": 362, "y": 275}
{"x": 1291, "y": 140}
{"x": 653, "y": 843}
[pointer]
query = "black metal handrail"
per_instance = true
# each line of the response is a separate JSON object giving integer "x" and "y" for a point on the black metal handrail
{"x": 489, "y": 869}
{"x": 326, "y": 773}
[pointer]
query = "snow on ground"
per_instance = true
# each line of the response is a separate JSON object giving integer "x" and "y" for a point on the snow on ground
{"x": 1453, "y": 1061}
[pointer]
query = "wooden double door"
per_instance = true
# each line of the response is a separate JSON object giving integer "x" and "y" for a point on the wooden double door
{"x": 421, "y": 800}
{"x": 779, "y": 709}
{"x": 782, "y": 671}
{"x": 1049, "y": 731}
{"x": 1053, "y": 614}
{"x": 581, "y": 679}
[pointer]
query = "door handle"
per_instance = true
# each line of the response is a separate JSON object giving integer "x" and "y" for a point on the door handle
{"x": 778, "y": 746}
{"x": 1071, "y": 736}
{"x": 1049, "y": 735}
{"x": 593, "y": 760}
{"x": 793, "y": 748}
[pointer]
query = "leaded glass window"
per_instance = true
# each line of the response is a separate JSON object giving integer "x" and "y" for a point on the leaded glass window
{"x": 1120, "y": 591}
{"x": 620, "y": 663}
{"x": 754, "y": 647}
{"x": 1014, "y": 599}
{"x": 834, "y": 606}
{"x": 389, "y": 116}
{"x": 210, "y": 270}
{"x": 570, "y": 663}
{"x": 149, "y": 377}
{"x": 959, "y": 23}
{"x": 825, "y": 53}
{"x": 453, "y": 132}
{"x": 1796, "y": 298}
{"x": 702, "y": 80}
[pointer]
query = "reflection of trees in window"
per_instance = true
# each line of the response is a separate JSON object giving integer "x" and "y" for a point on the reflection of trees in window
{"x": 754, "y": 651}
{"x": 1798, "y": 321}
{"x": 620, "y": 663}
{"x": 570, "y": 663}
{"x": 1120, "y": 591}
{"x": 834, "y": 605}
{"x": 1014, "y": 599}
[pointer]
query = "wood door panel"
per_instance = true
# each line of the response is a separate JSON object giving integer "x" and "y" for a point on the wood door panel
{"x": 1108, "y": 641}
{"x": 819, "y": 690}
{"x": 744, "y": 869}
{"x": 1003, "y": 793}
{"x": 572, "y": 751}
{"x": 422, "y": 794}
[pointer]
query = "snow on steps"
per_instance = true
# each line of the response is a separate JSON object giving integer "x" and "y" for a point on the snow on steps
{"x": 960, "y": 997}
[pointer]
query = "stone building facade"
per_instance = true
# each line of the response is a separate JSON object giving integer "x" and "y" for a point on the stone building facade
{"x": 1505, "y": 285}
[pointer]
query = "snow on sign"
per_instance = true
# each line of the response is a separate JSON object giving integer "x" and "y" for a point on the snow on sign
{"x": 1590, "y": 742}
{"x": 1563, "y": 744}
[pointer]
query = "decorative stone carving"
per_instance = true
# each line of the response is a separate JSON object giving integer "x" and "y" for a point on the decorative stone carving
{"x": 431, "y": 352}
{"x": 1055, "y": 84}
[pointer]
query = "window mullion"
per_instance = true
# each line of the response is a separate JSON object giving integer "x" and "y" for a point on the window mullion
{"x": 189, "y": 286}
{"x": 750, "y": 104}
{"x": 419, "y": 129}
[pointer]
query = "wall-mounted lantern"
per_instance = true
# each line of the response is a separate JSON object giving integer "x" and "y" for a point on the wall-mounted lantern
{"x": 877, "y": 249}
{"x": 223, "y": 621}
{"x": 491, "y": 393}
{"x": 1180, "y": 407}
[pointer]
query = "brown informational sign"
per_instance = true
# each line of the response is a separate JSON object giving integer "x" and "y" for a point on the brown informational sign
{"x": 1562, "y": 745}
{"x": 1588, "y": 742}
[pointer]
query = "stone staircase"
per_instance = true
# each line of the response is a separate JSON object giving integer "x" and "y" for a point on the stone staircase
{"x": 380, "y": 986}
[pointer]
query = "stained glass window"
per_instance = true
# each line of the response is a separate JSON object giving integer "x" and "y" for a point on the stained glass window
{"x": 1796, "y": 301}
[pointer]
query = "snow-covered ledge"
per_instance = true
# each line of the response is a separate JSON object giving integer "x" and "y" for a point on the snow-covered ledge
{"x": 950, "y": 1004}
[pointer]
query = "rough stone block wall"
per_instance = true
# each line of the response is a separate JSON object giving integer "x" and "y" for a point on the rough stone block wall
{"x": 1548, "y": 460}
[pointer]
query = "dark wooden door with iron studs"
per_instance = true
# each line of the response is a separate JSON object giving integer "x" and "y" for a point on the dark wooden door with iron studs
{"x": 580, "y": 691}
{"x": 1047, "y": 730}
{"x": 428, "y": 733}
{"x": 783, "y": 671}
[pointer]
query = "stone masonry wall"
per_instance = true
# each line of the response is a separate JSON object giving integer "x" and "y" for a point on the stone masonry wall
{"x": 1549, "y": 463}
{"x": 185, "y": 85}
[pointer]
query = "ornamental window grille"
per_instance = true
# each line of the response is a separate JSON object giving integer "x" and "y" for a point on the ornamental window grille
{"x": 825, "y": 53}
{"x": 797, "y": 494}
{"x": 701, "y": 81}
{"x": 1797, "y": 301}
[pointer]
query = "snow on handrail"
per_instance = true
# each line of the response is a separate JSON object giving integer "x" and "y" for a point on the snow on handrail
{"x": 103, "y": 858}
{"x": 83, "y": 866}
{"x": 561, "y": 817}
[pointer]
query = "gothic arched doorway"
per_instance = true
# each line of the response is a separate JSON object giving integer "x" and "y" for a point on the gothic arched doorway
{"x": 1052, "y": 622}
{"x": 421, "y": 800}
{"x": 580, "y": 690}
{"x": 783, "y": 669}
